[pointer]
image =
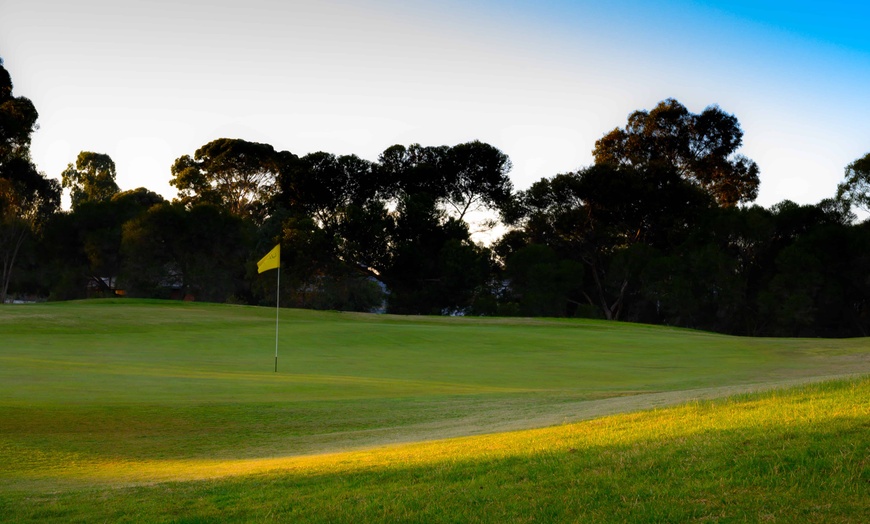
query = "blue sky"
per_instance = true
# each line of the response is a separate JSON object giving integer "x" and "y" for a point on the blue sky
{"x": 149, "y": 81}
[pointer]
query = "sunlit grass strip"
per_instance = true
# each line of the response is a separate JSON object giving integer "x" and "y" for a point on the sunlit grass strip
{"x": 804, "y": 447}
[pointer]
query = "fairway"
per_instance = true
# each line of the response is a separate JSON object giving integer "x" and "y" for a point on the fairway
{"x": 123, "y": 393}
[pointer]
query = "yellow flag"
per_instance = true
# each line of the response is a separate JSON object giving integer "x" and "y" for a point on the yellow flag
{"x": 271, "y": 260}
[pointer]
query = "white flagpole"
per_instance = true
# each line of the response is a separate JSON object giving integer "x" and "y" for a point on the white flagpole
{"x": 277, "y": 303}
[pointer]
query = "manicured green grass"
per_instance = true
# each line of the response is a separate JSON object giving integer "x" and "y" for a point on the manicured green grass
{"x": 110, "y": 395}
{"x": 798, "y": 455}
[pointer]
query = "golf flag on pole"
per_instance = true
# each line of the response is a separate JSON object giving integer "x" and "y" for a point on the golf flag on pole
{"x": 271, "y": 260}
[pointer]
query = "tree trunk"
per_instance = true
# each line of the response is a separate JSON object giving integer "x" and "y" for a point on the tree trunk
{"x": 16, "y": 238}
{"x": 612, "y": 310}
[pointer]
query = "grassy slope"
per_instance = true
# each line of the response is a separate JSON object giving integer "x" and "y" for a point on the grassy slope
{"x": 799, "y": 455}
{"x": 104, "y": 392}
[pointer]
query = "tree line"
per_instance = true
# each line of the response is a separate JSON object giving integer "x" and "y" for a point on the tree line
{"x": 659, "y": 229}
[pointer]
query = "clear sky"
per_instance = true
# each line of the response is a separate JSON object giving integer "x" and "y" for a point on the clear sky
{"x": 149, "y": 81}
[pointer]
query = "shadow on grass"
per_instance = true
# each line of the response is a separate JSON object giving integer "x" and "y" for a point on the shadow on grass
{"x": 794, "y": 456}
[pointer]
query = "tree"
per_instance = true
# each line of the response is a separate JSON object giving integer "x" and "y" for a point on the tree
{"x": 231, "y": 173}
{"x": 17, "y": 120}
{"x": 400, "y": 220}
{"x": 324, "y": 186}
{"x": 462, "y": 178}
{"x": 84, "y": 245}
{"x": 713, "y": 279}
{"x": 818, "y": 284}
{"x": 412, "y": 170}
{"x": 698, "y": 284}
{"x": 855, "y": 188}
{"x": 701, "y": 147}
{"x": 432, "y": 266}
{"x": 91, "y": 180}
{"x": 332, "y": 226}
{"x": 542, "y": 283}
{"x": 201, "y": 251}
{"x": 476, "y": 178}
{"x": 599, "y": 216}
{"x": 27, "y": 198}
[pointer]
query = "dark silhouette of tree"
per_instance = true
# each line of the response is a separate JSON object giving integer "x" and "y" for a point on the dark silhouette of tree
{"x": 598, "y": 215}
{"x": 819, "y": 286}
{"x": 413, "y": 170}
{"x": 27, "y": 198}
{"x": 542, "y": 284}
{"x": 400, "y": 220}
{"x": 432, "y": 267}
{"x": 323, "y": 186}
{"x": 466, "y": 177}
{"x": 476, "y": 178}
{"x": 701, "y": 281}
{"x": 201, "y": 251}
{"x": 17, "y": 120}
{"x": 331, "y": 221}
{"x": 92, "y": 179}
{"x": 855, "y": 187}
{"x": 700, "y": 147}
{"x": 84, "y": 245}
{"x": 232, "y": 173}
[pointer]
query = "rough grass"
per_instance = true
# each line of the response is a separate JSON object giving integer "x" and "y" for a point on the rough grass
{"x": 111, "y": 395}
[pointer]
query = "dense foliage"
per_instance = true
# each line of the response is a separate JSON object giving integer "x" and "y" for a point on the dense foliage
{"x": 660, "y": 229}
{"x": 27, "y": 198}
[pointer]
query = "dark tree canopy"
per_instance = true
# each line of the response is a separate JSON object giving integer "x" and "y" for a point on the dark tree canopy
{"x": 232, "y": 173}
{"x": 477, "y": 176}
{"x": 701, "y": 147}
{"x": 598, "y": 215}
{"x": 432, "y": 266}
{"x": 462, "y": 178}
{"x": 541, "y": 282}
{"x": 139, "y": 199}
{"x": 401, "y": 220}
{"x": 27, "y": 198}
{"x": 85, "y": 244}
{"x": 201, "y": 251}
{"x": 323, "y": 184}
{"x": 412, "y": 170}
{"x": 855, "y": 187}
{"x": 17, "y": 120}
{"x": 92, "y": 179}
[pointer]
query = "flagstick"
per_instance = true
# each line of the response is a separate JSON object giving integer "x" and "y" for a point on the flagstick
{"x": 277, "y": 302}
